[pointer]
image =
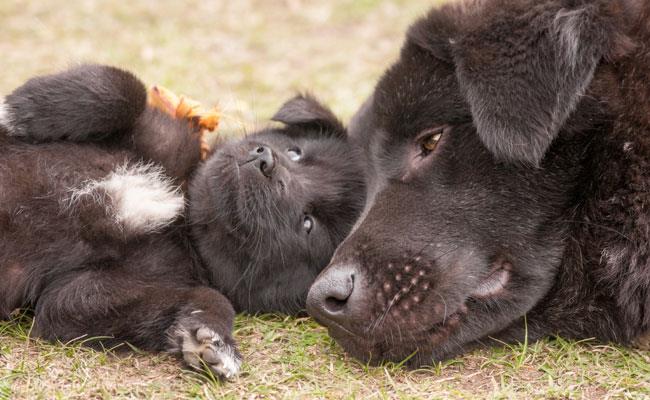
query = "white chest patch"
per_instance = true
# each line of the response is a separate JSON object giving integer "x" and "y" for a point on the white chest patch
{"x": 140, "y": 197}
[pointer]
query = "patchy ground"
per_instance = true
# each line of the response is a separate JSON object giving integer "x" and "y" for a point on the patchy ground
{"x": 294, "y": 358}
{"x": 249, "y": 56}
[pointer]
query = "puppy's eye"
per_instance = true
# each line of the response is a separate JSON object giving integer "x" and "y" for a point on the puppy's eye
{"x": 428, "y": 140}
{"x": 294, "y": 154}
{"x": 308, "y": 223}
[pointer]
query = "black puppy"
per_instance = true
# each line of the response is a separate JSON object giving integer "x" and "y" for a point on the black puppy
{"x": 511, "y": 189}
{"x": 98, "y": 236}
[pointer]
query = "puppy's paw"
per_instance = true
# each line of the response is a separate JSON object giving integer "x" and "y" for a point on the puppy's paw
{"x": 205, "y": 347}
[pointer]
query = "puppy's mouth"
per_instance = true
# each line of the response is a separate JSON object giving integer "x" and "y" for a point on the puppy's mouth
{"x": 249, "y": 195}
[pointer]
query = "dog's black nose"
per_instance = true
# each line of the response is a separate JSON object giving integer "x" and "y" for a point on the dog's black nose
{"x": 263, "y": 159}
{"x": 335, "y": 295}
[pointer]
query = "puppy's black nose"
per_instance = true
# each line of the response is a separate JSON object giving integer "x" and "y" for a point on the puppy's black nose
{"x": 263, "y": 159}
{"x": 335, "y": 295}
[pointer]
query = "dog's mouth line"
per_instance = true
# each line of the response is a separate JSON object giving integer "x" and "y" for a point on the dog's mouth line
{"x": 332, "y": 325}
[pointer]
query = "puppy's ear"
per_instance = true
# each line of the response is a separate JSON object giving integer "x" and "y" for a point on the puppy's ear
{"x": 305, "y": 112}
{"x": 434, "y": 33}
{"x": 523, "y": 73}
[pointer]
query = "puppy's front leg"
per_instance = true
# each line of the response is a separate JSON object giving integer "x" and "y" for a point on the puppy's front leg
{"x": 193, "y": 322}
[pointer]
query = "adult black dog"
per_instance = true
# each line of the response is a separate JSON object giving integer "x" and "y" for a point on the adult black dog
{"x": 511, "y": 154}
{"x": 94, "y": 231}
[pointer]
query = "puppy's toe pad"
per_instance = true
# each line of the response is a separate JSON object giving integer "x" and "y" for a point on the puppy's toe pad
{"x": 207, "y": 348}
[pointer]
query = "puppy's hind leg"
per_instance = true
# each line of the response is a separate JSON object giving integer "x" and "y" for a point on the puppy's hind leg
{"x": 170, "y": 142}
{"x": 172, "y": 132}
{"x": 89, "y": 102}
{"x": 194, "y": 322}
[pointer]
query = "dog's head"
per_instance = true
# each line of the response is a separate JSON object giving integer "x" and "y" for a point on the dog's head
{"x": 267, "y": 211}
{"x": 475, "y": 137}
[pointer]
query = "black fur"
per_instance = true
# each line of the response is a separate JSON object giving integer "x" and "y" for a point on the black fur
{"x": 111, "y": 105}
{"x": 250, "y": 234}
{"x": 533, "y": 210}
{"x": 89, "y": 268}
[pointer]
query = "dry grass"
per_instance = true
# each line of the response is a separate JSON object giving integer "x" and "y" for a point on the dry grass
{"x": 294, "y": 358}
{"x": 249, "y": 56}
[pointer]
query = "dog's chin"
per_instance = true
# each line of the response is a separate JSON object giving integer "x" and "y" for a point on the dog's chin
{"x": 415, "y": 353}
{"x": 414, "y": 347}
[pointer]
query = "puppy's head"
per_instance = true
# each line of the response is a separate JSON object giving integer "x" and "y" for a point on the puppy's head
{"x": 268, "y": 210}
{"x": 476, "y": 138}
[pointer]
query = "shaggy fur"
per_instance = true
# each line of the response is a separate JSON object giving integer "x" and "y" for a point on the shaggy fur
{"x": 531, "y": 214}
{"x": 99, "y": 237}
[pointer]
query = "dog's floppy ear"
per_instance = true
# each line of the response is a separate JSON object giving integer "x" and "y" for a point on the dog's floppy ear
{"x": 305, "y": 112}
{"x": 524, "y": 73}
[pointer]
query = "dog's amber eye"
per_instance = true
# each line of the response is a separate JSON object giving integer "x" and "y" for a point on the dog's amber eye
{"x": 429, "y": 140}
{"x": 432, "y": 141}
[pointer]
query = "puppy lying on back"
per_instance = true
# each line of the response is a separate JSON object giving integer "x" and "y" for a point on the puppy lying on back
{"x": 99, "y": 238}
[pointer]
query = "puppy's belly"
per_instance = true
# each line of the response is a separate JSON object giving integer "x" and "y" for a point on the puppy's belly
{"x": 66, "y": 206}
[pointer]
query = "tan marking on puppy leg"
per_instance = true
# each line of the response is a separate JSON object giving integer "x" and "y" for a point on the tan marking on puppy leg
{"x": 203, "y": 120}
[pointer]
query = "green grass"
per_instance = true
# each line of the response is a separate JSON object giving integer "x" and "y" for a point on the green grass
{"x": 249, "y": 56}
{"x": 295, "y": 358}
